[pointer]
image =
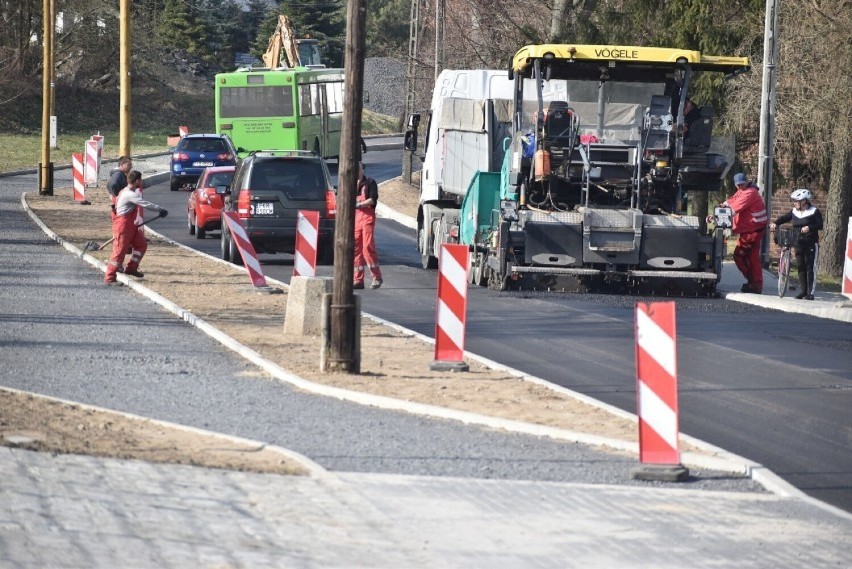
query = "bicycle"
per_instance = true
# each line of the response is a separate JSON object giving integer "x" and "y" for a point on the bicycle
{"x": 786, "y": 237}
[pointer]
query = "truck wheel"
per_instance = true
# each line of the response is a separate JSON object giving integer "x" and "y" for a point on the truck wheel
{"x": 427, "y": 261}
{"x": 496, "y": 281}
{"x": 479, "y": 270}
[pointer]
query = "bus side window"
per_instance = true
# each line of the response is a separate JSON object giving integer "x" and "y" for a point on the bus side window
{"x": 304, "y": 100}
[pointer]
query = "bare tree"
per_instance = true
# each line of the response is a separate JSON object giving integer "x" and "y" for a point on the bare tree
{"x": 813, "y": 115}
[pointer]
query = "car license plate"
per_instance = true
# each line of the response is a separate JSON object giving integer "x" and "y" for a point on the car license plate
{"x": 202, "y": 164}
{"x": 263, "y": 208}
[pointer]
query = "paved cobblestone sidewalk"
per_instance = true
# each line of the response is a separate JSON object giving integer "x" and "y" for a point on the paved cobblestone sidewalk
{"x": 83, "y": 512}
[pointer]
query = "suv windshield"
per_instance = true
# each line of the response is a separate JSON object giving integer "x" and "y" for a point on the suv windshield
{"x": 297, "y": 179}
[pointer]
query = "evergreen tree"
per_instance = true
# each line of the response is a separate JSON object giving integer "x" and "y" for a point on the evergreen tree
{"x": 221, "y": 20}
{"x": 388, "y": 28}
{"x": 323, "y": 20}
{"x": 181, "y": 27}
{"x": 251, "y": 19}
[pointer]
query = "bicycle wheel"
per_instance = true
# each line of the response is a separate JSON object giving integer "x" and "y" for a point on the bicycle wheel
{"x": 783, "y": 272}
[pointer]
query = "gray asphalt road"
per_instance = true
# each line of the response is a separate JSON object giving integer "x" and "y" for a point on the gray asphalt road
{"x": 772, "y": 386}
{"x": 65, "y": 334}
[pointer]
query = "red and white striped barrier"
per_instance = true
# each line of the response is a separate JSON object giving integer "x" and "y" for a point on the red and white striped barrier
{"x": 77, "y": 169}
{"x": 183, "y": 131}
{"x": 93, "y": 162}
{"x": 656, "y": 383}
{"x": 307, "y": 238}
{"x": 100, "y": 140}
{"x": 238, "y": 234}
{"x": 847, "y": 265}
{"x": 451, "y": 309}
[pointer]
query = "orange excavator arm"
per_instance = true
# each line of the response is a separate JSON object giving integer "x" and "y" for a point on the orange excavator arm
{"x": 283, "y": 39}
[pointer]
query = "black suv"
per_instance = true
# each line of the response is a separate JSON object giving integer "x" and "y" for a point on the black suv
{"x": 269, "y": 189}
{"x": 194, "y": 153}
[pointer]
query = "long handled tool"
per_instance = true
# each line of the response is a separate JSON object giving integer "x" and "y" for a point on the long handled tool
{"x": 93, "y": 245}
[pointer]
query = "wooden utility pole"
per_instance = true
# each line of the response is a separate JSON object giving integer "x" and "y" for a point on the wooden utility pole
{"x": 342, "y": 355}
{"x": 45, "y": 167}
{"x": 124, "y": 82}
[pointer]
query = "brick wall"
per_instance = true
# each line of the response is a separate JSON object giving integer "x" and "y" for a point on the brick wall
{"x": 785, "y": 181}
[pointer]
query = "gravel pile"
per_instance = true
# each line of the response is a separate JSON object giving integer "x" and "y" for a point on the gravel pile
{"x": 384, "y": 86}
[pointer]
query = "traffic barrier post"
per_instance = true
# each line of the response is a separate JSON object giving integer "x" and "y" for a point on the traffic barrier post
{"x": 93, "y": 163}
{"x": 79, "y": 184}
{"x": 451, "y": 309}
{"x": 307, "y": 237}
{"x": 250, "y": 260}
{"x": 656, "y": 393}
{"x": 183, "y": 131}
{"x": 847, "y": 265}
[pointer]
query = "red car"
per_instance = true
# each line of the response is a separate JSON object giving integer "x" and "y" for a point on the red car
{"x": 205, "y": 203}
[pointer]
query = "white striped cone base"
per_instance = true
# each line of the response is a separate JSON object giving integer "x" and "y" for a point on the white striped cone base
{"x": 92, "y": 163}
{"x": 656, "y": 383}
{"x": 451, "y": 309}
{"x": 307, "y": 239}
{"x": 77, "y": 170}
{"x": 252, "y": 264}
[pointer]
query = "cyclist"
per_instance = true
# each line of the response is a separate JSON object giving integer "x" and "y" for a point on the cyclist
{"x": 808, "y": 220}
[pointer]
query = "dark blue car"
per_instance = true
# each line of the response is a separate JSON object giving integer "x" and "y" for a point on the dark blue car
{"x": 195, "y": 152}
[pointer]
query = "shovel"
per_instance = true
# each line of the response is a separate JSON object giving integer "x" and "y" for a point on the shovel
{"x": 93, "y": 245}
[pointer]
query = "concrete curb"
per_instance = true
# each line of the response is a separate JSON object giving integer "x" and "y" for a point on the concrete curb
{"x": 840, "y": 310}
{"x": 312, "y": 468}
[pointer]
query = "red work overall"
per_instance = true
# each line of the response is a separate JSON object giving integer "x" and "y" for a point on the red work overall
{"x": 365, "y": 246}
{"x": 127, "y": 234}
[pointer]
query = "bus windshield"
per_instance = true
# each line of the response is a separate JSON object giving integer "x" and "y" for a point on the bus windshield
{"x": 281, "y": 109}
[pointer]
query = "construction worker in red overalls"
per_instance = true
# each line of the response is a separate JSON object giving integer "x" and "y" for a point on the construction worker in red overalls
{"x": 750, "y": 219}
{"x": 126, "y": 232}
{"x": 366, "y": 198}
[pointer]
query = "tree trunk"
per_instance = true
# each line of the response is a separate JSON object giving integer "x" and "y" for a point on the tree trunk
{"x": 556, "y": 19}
{"x": 838, "y": 209}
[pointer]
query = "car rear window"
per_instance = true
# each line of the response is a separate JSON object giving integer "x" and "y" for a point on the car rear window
{"x": 219, "y": 179}
{"x": 296, "y": 179}
{"x": 202, "y": 145}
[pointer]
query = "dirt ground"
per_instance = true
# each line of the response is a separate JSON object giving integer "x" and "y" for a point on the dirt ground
{"x": 393, "y": 364}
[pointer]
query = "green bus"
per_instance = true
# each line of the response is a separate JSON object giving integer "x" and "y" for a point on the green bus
{"x": 281, "y": 109}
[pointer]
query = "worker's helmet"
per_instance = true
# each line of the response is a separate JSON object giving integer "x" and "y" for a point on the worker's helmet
{"x": 801, "y": 194}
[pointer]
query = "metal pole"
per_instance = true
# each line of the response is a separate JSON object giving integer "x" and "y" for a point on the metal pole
{"x": 343, "y": 356}
{"x": 45, "y": 167}
{"x": 53, "y": 70}
{"x": 124, "y": 82}
{"x": 439, "y": 37}
{"x": 767, "y": 113}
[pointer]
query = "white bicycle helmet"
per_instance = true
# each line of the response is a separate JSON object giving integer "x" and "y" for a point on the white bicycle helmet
{"x": 801, "y": 194}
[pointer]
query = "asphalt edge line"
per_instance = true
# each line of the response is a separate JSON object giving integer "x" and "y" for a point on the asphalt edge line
{"x": 754, "y": 470}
